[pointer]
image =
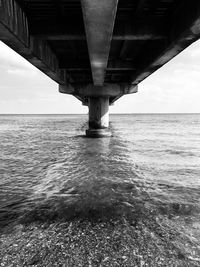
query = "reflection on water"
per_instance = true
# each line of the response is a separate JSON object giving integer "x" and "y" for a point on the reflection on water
{"x": 129, "y": 200}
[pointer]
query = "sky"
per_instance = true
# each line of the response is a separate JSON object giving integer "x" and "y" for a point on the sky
{"x": 174, "y": 88}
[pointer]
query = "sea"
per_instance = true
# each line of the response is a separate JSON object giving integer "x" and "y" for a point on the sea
{"x": 132, "y": 199}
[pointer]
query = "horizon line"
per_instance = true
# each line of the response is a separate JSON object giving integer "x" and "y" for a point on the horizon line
{"x": 145, "y": 113}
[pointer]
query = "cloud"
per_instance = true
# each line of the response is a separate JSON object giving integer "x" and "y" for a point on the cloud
{"x": 13, "y": 63}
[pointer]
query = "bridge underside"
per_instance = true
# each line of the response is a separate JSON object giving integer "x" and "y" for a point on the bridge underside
{"x": 99, "y": 50}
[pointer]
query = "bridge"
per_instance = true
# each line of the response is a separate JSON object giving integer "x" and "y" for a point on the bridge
{"x": 99, "y": 50}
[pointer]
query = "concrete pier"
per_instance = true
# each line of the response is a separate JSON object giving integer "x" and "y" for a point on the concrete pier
{"x": 98, "y": 112}
{"x": 98, "y": 117}
{"x": 98, "y": 99}
{"x": 99, "y": 51}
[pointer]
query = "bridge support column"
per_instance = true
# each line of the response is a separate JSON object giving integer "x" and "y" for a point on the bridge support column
{"x": 98, "y": 117}
{"x": 98, "y": 99}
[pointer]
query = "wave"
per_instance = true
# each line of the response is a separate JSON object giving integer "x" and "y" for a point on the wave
{"x": 180, "y": 152}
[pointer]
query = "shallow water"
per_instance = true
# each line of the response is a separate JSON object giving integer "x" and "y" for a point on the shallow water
{"x": 146, "y": 178}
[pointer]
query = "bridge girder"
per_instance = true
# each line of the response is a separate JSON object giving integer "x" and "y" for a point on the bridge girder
{"x": 128, "y": 39}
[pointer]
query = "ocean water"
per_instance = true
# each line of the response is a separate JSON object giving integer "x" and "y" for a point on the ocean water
{"x": 129, "y": 200}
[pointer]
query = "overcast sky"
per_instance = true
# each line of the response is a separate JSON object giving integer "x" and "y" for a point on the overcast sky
{"x": 173, "y": 88}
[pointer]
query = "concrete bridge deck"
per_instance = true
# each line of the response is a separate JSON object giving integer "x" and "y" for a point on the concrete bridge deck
{"x": 99, "y": 50}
